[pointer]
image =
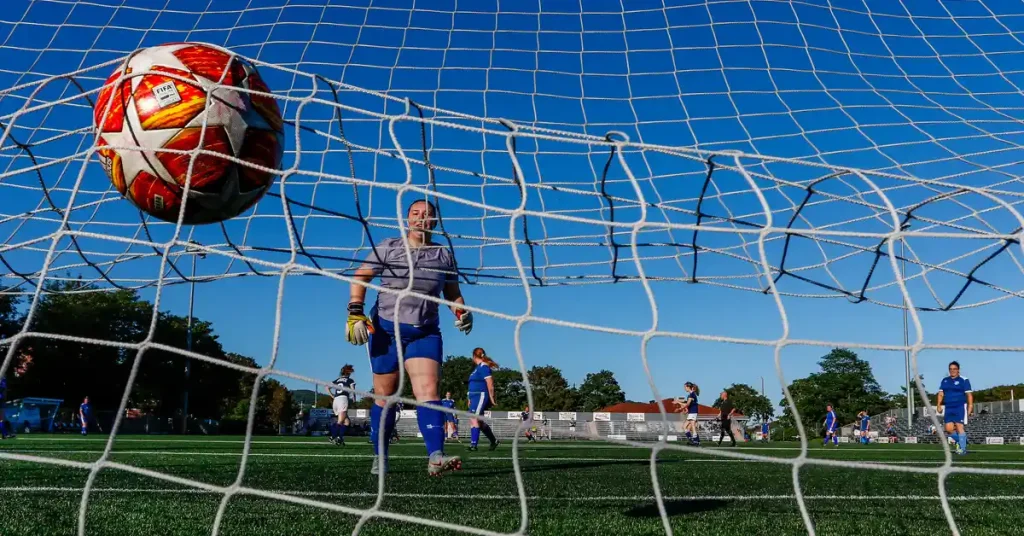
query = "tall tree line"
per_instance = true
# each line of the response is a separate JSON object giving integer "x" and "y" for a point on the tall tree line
{"x": 70, "y": 370}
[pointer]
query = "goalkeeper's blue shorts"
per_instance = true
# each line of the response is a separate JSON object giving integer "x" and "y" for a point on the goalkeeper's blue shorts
{"x": 955, "y": 414}
{"x": 417, "y": 341}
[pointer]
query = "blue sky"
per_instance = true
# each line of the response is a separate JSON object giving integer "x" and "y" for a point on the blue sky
{"x": 932, "y": 94}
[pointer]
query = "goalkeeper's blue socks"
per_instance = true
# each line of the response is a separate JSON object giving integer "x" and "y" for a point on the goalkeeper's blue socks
{"x": 474, "y": 437}
{"x": 331, "y": 430}
{"x": 835, "y": 440}
{"x": 341, "y": 430}
{"x": 963, "y": 442}
{"x": 375, "y": 427}
{"x": 431, "y": 421}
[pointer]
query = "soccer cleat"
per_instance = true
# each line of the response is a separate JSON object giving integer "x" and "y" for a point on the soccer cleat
{"x": 959, "y": 449}
{"x": 375, "y": 467}
{"x": 439, "y": 464}
{"x": 472, "y": 448}
{"x": 494, "y": 444}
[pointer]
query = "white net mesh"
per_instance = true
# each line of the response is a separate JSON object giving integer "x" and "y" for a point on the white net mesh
{"x": 779, "y": 148}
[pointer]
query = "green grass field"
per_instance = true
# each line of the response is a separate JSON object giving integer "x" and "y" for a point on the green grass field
{"x": 570, "y": 488}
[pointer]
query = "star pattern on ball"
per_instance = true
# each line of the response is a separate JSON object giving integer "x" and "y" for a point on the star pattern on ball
{"x": 173, "y": 100}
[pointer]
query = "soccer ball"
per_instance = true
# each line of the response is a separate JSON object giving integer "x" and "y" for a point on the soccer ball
{"x": 142, "y": 114}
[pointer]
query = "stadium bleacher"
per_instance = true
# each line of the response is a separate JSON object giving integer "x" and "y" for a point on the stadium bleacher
{"x": 650, "y": 429}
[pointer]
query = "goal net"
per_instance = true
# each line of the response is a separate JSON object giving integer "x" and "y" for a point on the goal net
{"x": 861, "y": 154}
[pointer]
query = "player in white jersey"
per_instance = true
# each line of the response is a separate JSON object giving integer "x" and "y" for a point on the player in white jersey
{"x": 341, "y": 390}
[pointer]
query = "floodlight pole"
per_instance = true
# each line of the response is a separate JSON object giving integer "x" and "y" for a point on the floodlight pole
{"x": 188, "y": 336}
{"x": 906, "y": 336}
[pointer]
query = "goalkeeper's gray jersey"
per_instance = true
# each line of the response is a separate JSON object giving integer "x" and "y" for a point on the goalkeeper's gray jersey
{"x": 433, "y": 267}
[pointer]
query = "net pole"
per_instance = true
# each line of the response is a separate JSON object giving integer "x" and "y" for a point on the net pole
{"x": 188, "y": 339}
{"x": 906, "y": 342}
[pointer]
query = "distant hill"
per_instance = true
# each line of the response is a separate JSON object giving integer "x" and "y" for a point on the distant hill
{"x": 305, "y": 397}
{"x": 999, "y": 392}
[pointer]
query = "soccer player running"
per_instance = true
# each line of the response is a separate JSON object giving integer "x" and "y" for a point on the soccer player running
{"x": 955, "y": 391}
{"x": 765, "y": 431}
{"x": 865, "y": 427}
{"x": 83, "y": 415}
{"x": 831, "y": 426}
{"x": 337, "y": 389}
{"x": 525, "y": 415}
{"x": 451, "y": 422}
{"x": 725, "y": 413}
{"x": 481, "y": 397}
{"x": 418, "y": 330}
{"x": 691, "y": 407}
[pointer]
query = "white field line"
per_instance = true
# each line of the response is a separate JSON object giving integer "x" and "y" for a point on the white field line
{"x": 358, "y": 494}
{"x": 807, "y": 461}
{"x": 417, "y": 443}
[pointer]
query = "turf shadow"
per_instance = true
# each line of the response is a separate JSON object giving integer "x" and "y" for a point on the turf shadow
{"x": 677, "y": 508}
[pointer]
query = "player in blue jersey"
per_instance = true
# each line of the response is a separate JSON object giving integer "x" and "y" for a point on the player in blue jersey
{"x": 3, "y": 400}
{"x": 765, "y": 431}
{"x": 341, "y": 390}
{"x": 411, "y": 322}
{"x": 451, "y": 421}
{"x": 955, "y": 391}
{"x": 831, "y": 426}
{"x": 481, "y": 397}
{"x": 865, "y": 427}
{"x": 691, "y": 408}
{"x": 84, "y": 412}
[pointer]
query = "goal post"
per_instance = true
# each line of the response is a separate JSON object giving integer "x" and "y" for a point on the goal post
{"x": 786, "y": 151}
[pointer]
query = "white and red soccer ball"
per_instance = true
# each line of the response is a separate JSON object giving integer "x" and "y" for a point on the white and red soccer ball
{"x": 137, "y": 118}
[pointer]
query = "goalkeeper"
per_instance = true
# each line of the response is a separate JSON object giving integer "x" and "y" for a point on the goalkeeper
{"x": 956, "y": 401}
{"x": 418, "y": 331}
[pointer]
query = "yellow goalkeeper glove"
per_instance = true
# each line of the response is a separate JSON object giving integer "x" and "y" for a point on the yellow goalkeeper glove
{"x": 358, "y": 328}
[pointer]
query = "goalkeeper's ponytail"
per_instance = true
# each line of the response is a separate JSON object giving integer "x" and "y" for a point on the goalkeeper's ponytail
{"x": 478, "y": 353}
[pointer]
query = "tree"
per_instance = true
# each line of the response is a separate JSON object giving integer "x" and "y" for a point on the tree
{"x": 999, "y": 393}
{"x": 749, "y": 402}
{"x": 274, "y": 406}
{"x": 70, "y": 370}
{"x": 161, "y": 382}
{"x": 455, "y": 373}
{"x": 845, "y": 381}
{"x": 551, "y": 391}
{"x": 509, "y": 389}
{"x": 10, "y": 319}
{"x": 599, "y": 390}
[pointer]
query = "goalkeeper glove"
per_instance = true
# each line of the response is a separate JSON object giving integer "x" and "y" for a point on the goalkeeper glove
{"x": 464, "y": 321}
{"x": 358, "y": 328}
